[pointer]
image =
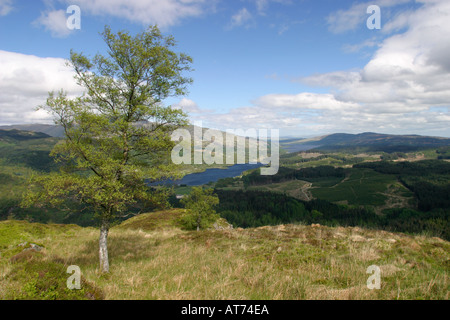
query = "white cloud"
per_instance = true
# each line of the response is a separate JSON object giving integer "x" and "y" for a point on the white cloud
{"x": 164, "y": 13}
{"x": 369, "y": 43}
{"x": 331, "y": 79}
{"x": 54, "y": 21}
{"x": 25, "y": 81}
{"x": 250, "y": 117}
{"x": 345, "y": 20}
{"x": 188, "y": 105}
{"x": 404, "y": 88}
{"x": 303, "y": 101}
{"x": 355, "y": 17}
{"x": 398, "y": 88}
{"x": 263, "y": 5}
{"x": 5, "y": 7}
{"x": 242, "y": 18}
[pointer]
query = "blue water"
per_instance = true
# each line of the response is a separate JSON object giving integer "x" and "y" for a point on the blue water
{"x": 210, "y": 175}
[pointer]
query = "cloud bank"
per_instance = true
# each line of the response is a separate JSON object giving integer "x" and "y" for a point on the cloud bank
{"x": 165, "y": 13}
{"x": 405, "y": 87}
{"x": 25, "y": 81}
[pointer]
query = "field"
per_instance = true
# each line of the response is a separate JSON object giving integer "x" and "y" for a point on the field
{"x": 348, "y": 157}
{"x": 361, "y": 187}
{"x": 296, "y": 188}
{"x": 152, "y": 258}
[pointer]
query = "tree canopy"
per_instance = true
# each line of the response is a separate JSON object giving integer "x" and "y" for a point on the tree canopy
{"x": 200, "y": 203}
{"x": 117, "y": 134}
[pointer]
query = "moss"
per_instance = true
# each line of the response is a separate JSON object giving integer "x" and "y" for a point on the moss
{"x": 35, "y": 277}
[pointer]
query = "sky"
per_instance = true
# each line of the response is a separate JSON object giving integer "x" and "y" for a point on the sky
{"x": 304, "y": 67}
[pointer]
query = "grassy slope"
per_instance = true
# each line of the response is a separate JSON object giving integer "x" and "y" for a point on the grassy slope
{"x": 360, "y": 188}
{"x": 152, "y": 258}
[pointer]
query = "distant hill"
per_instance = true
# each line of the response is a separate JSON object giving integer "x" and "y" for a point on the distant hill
{"x": 51, "y": 130}
{"x": 26, "y": 149}
{"x": 58, "y": 131}
{"x": 20, "y": 135}
{"x": 370, "y": 138}
{"x": 375, "y": 141}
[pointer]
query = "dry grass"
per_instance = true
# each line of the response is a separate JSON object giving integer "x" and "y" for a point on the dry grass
{"x": 280, "y": 262}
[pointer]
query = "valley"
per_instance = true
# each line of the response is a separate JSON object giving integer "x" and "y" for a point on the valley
{"x": 319, "y": 222}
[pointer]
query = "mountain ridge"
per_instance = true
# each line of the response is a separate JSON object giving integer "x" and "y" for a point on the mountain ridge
{"x": 371, "y": 139}
{"x": 382, "y": 141}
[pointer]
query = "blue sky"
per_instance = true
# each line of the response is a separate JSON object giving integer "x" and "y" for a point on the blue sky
{"x": 304, "y": 67}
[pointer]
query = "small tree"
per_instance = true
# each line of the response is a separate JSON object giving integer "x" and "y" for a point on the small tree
{"x": 118, "y": 133}
{"x": 200, "y": 203}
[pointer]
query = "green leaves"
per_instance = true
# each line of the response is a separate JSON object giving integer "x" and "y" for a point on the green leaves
{"x": 145, "y": 63}
{"x": 200, "y": 203}
{"x": 118, "y": 132}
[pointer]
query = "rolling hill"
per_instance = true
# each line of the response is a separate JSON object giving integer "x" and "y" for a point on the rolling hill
{"x": 374, "y": 141}
{"x": 51, "y": 130}
{"x": 20, "y": 135}
{"x": 332, "y": 141}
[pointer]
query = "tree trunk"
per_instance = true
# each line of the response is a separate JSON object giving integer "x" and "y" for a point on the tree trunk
{"x": 103, "y": 247}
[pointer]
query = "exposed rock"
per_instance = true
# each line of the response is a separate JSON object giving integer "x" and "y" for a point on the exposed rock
{"x": 30, "y": 246}
{"x": 222, "y": 226}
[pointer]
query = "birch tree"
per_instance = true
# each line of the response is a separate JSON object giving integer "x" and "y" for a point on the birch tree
{"x": 117, "y": 134}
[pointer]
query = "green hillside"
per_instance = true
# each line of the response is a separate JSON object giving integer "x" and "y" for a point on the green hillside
{"x": 408, "y": 196}
{"x": 368, "y": 141}
{"x": 152, "y": 258}
{"x": 311, "y": 232}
